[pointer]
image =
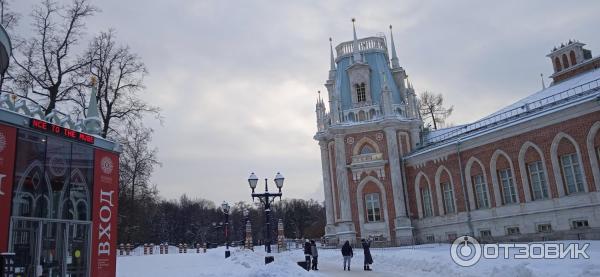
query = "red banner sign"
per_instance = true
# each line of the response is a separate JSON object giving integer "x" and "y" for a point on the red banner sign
{"x": 104, "y": 214}
{"x": 8, "y": 137}
{"x": 60, "y": 131}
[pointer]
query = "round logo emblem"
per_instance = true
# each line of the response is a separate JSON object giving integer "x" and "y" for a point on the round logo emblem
{"x": 2, "y": 141}
{"x": 465, "y": 251}
{"x": 58, "y": 166}
{"x": 106, "y": 165}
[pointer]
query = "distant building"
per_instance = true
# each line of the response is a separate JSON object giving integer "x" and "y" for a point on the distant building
{"x": 528, "y": 171}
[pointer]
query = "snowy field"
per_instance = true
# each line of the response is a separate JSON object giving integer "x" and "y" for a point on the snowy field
{"x": 429, "y": 260}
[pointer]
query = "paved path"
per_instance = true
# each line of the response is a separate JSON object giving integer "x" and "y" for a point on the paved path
{"x": 334, "y": 267}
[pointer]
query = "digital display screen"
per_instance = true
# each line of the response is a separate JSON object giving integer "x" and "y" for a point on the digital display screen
{"x": 60, "y": 131}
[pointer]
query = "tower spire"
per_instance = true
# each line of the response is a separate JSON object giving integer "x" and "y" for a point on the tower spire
{"x": 332, "y": 66}
{"x": 543, "y": 83}
{"x": 92, "y": 121}
{"x": 395, "y": 63}
{"x": 356, "y": 55}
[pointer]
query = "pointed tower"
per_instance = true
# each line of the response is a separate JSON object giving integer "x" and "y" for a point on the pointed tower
{"x": 334, "y": 104}
{"x": 362, "y": 140}
{"x": 355, "y": 50}
{"x": 92, "y": 121}
{"x": 398, "y": 72}
{"x": 321, "y": 113}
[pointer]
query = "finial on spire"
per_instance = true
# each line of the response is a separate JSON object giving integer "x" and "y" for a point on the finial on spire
{"x": 332, "y": 66}
{"x": 356, "y": 55}
{"x": 395, "y": 63}
{"x": 543, "y": 83}
{"x": 92, "y": 121}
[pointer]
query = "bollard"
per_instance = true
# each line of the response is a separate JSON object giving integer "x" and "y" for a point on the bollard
{"x": 185, "y": 248}
{"x": 197, "y": 247}
{"x": 205, "y": 247}
{"x": 127, "y": 249}
{"x": 151, "y": 248}
{"x": 161, "y": 249}
{"x": 145, "y": 249}
{"x": 121, "y": 246}
{"x": 166, "y": 248}
{"x": 180, "y": 247}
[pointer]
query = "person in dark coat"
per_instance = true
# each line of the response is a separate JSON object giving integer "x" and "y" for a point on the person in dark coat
{"x": 348, "y": 254}
{"x": 307, "y": 253}
{"x": 368, "y": 258}
{"x": 315, "y": 254}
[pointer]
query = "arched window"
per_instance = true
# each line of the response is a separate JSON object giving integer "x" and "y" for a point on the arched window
{"x": 537, "y": 179}
{"x": 448, "y": 198}
{"x": 373, "y": 207}
{"x": 533, "y": 172}
{"x": 367, "y": 149}
{"x": 481, "y": 192}
{"x": 427, "y": 209}
{"x": 565, "y": 61}
{"x": 570, "y": 166}
{"x": 557, "y": 65}
{"x": 361, "y": 92}
{"x": 506, "y": 180}
{"x": 362, "y": 116}
{"x": 572, "y": 56}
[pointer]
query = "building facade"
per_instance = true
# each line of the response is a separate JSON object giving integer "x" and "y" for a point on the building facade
{"x": 58, "y": 191}
{"x": 528, "y": 171}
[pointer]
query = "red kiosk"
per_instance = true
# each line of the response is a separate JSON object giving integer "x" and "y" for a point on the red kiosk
{"x": 58, "y": 192}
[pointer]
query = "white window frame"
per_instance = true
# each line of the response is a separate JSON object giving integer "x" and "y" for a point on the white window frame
{"x": 541, "y": 227}
{"x": 373, "y": 206}
{"x": 508, "y": 186}
{"x": 509, "y": 228}
{"x": 426, "y": 199}
{"x": 571, "y": 173}
{"x": 585, "y": 224}
{"x": 481, "y": 192}
{"x": 537, "y": 179}
{"x": 361, "y": 92}
{"x": 448, "y": 197}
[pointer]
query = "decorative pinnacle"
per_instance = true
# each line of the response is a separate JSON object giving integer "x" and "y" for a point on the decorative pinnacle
{"x": 356, "y": 55}
{"x": 395, "y": 62}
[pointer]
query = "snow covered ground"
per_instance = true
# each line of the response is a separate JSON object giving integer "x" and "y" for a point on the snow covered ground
{"x": 429, "y": 260}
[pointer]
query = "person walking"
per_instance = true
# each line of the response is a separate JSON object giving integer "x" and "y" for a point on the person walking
{"x": 315, "y": 254}
{"x": 348, "y": 254}
{"x": 307, "y": 253}
{"x": 368, "y": 258}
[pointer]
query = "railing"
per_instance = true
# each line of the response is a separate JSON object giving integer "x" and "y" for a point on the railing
{"x": 515, "y": 113}
{"x": 369, "y": 43}
{"x": 363, "y": 158}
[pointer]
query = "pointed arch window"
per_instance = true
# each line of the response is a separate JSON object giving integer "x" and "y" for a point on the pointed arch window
{"x": 537, "y": 179}
{"x": 426, "y": 195}
{"x": 373, "y": 207}
{"x": 481, "y": 192}
{"x": 572, "y": 56}
{"x": 557, "y": 65}
{"x": 572, "y": 173}
{"x": 361, "y": 92}
{"x": 448, "y": 198}
{"x": 565, "y": 61}
{"x": 367, "y": 149}
{"x": 509, "y": 193}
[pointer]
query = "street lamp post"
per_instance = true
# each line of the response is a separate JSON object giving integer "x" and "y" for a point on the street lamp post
{"x": 266, "y": 199}
{"x": 225, "y": 208}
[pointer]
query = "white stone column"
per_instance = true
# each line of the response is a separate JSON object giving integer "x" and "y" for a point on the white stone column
{"x": 396, "y": 177}
{"x": 402, "y": 223}
{"x": 342, "y": 179}
{"x": 327, "y": 182}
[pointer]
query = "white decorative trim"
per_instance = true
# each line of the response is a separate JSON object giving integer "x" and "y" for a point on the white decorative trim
{"x": 592, "y": 153}
{"x": 439, "y": 190}
{"x": 418, "y": 192}
{"x": 471, "y": 193}
{"x": 361, "y": 207}
{"x": 364, "y": 140}
{"x": 523, "y": 170}
{"x": 494, "y": 173}
{"x": 556, "y": 164}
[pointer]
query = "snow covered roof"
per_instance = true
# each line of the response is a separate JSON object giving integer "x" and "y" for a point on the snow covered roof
{"x": 570, "y": 90}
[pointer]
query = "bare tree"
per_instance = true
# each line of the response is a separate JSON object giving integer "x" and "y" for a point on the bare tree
{"x": 47, "y": 64}
{"x": 9, "y": 20}
{"x": 120, "y": 75}
{"x": 431, "y": 107}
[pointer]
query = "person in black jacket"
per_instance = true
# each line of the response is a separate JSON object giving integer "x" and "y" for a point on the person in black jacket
{"x": 368, "y": 258}
{"x": 348, "y": 254}
{"x": 307, "y": 253}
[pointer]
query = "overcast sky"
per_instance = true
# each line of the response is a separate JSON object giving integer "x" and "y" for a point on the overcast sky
{"x": 237, "y": 80}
